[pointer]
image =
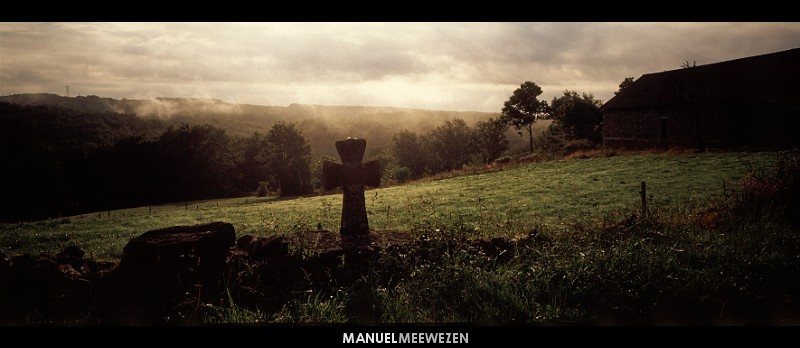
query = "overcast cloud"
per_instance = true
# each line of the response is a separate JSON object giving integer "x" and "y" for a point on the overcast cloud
{"x": 447, "y": 66}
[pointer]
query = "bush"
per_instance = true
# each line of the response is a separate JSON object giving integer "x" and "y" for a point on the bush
{"x": 576, "y": 145}
{"x": 504, "y": 160}
{"x": 399, "y": 173}
{"x": 263, "y": 189}
{"x": 531, "y": 158}
{"x": 552, "y": 140}
{"x": 773, "y": 187}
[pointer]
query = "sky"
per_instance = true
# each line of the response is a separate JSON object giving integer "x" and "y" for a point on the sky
{"x": 440, "y": 66}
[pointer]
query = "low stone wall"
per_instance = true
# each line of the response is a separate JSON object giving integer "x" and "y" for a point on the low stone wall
{"x": 167, "y": 276}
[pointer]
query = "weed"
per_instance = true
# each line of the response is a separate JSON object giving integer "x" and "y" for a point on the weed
{"x": 232, "y": 314}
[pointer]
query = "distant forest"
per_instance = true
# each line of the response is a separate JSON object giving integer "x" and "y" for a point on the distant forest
{"x": 321, "y": 124}
{"x": 63, "y": 156}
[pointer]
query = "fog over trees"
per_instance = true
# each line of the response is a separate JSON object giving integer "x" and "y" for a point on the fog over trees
{"x": 95, "y": 154}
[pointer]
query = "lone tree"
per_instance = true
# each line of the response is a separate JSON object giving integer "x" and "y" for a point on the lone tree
{"x": 523, "y": 108}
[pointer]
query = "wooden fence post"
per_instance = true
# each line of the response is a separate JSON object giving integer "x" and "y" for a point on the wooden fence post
{"x": 644, "y": 198}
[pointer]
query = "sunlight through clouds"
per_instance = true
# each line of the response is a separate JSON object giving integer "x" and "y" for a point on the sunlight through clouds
{"x": 453, "y": 66}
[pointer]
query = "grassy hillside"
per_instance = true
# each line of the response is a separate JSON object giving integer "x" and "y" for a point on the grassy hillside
{"x": 64, "y": 156}
{"x": 718, "y": 246}
{"x": 553, "y": 196}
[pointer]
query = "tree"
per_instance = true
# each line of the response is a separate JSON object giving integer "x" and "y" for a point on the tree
{"x": 490, "y": 138}
{"x": 627, "y": 82}
{"x": 578, "y": 116}
{"x": 195, "y": 162}
{"x": 451, "y": 144}
{"x": 251, "y": 165}
{"x": 523, "y": 108}
{"x": 289, "y": 159}
{"x": 410, "y": 152}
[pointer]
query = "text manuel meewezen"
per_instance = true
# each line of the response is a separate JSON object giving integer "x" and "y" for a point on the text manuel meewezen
{"x": 408, "y": 337}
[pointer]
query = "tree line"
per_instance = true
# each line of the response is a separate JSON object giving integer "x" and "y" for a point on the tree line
{"x": 577, "y": 121}
{"x": 322, "y": 125}
{"x": 59, "y": 161}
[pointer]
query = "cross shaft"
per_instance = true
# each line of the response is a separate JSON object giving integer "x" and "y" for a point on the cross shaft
{"x": 352, "y": 175}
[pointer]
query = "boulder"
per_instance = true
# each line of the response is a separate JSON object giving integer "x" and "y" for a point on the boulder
{"x": 69, "y": 272}
{"x": 271, "y": 248}
{"x": 169, "y": 245}
{"x": 46, "y": 291}
{"x": 74, "y": 252}
{"x": 160, "y": 267}
{"x": 73, "y": 256}
{"x": 244, "y": 241}
{"x": 45, "y": 269}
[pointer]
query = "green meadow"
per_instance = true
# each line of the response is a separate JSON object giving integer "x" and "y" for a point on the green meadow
{"x": 550, "y": 196}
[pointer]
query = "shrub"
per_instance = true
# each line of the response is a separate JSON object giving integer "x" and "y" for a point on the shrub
{"x": 531, "y": 158}
{"x": 773, "y": 187}
{"x": 399, "y": 173}
{"x": 552, "y": 140}
{"x": 504, "y": 160}
{"x": 578, "y": 145}
{"x": 263, "y": 189}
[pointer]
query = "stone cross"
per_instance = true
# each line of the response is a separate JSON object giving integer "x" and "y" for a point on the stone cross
{"x": 352, "y": 175}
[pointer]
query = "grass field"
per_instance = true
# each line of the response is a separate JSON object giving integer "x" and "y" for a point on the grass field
{"x": 551, "y": 196}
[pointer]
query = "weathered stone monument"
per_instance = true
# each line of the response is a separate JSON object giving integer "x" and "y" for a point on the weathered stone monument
{"x": 352, "y": 175}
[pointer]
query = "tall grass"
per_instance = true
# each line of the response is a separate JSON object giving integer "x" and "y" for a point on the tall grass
{"x": 667, "y": 267}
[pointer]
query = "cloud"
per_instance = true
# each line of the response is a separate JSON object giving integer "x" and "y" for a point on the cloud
{"x": 457, "y": 66}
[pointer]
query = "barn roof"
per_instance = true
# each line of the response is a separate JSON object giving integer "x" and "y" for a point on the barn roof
{"x": 772, "y": 78}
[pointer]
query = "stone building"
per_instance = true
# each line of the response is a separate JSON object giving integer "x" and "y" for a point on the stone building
{"x": 753, "y": 101}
